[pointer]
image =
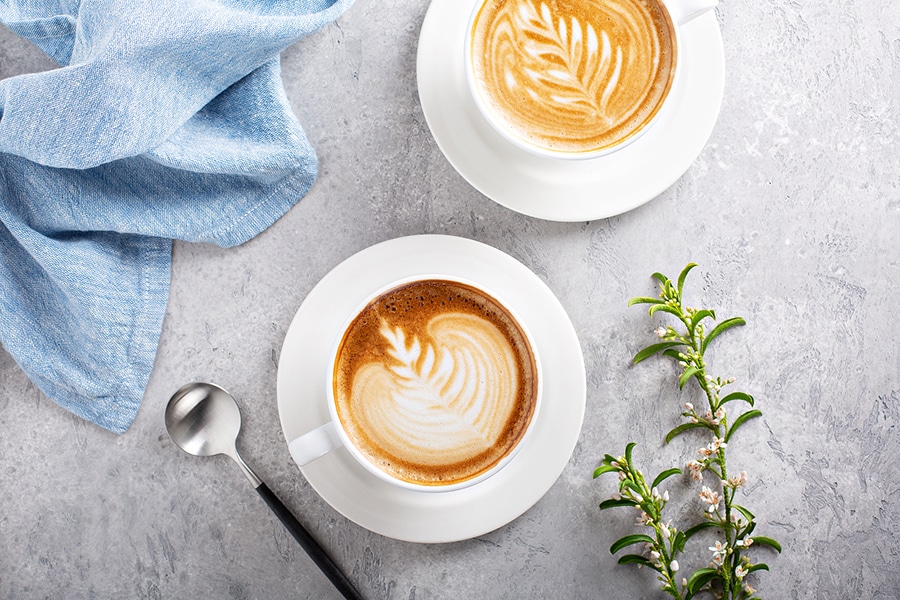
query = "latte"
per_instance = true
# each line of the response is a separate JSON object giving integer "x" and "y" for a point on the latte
{"x": 572, "y": 76}
{"x": 435, "y": 382}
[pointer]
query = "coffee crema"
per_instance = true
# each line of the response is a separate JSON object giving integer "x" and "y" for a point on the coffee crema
{"x": 435, "y": 382}
{"x": 573, "y": 75}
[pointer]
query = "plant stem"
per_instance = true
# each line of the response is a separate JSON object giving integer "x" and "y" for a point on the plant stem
{"x": 725, "y": 576}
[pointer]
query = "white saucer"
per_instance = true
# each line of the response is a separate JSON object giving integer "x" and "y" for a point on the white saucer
{"x": 422, "y": 516}
{"x": 562, "y": 190}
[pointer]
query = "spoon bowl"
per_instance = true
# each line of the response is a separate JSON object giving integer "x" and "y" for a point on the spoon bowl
{"x": 203, "y": 419}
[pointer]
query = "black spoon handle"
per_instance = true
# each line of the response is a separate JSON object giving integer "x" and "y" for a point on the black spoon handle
{"x": 306, "y": 541}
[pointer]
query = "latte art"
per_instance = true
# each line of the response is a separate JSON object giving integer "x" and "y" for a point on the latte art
{"x": 435, "y": 383}
{"x": 573, "y": 75}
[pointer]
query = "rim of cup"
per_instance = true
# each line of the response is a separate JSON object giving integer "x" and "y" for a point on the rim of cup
{"x": 347, "y": 442}
{"x": 496, "y": 124}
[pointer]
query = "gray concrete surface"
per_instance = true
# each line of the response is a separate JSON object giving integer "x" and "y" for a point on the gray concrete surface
{"x": 792, "y": 211}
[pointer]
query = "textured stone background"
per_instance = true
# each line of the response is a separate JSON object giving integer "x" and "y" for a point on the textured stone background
{"x": 792, "y": 211}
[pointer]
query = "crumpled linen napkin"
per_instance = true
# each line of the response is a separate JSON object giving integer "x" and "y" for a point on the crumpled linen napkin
{"x": 167, "y": 120}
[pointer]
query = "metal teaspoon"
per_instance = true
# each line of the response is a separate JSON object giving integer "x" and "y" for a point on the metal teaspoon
{"x": 204, "y": 420}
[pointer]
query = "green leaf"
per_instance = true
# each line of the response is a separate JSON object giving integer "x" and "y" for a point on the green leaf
{"x": 737, "y": 396}
{"x": 614, "y": 503}
{"x": 700, "y": 315}
{"x": 632, "y": 486}
{"x": 683, "y": 276}
{"x": 767, "y": 541}
{"x": 746, "y": 531}
{"x": 660, "y": 277}
{"x": 654, "y": 349}
{"x": 629, "y": 449}
{"x": 644, "y": 300}
{"x": 744, "y": 511}
{"x": 604, "y": 469}
{"x": 726, "y": 324}
{"x": 678, "y": 543}
{"x": 751, "y": 524}
{"x": 699, "y": 578}
{"x": 750, "y": 414}
{"x": 681, "y": 429}
{"x": 664, "y": 308}
{"x": 758, "y": 567}
{"x": 686, "y": 376}
{"x": 628, "y": 540}
{"x": 665, "y": 475}
{"x": 631, "y": 559}
{"x": 690, "y": 532}
{"x": 673, "y": 354}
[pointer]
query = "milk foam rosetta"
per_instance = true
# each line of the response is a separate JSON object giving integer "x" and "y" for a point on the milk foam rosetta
{"x": 573, "y": 75}
{"x": 435, "y": 383}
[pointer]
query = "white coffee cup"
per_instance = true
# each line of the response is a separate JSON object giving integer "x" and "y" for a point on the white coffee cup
{"x": 558, "y": 118}
{"x": 336, "y": 433}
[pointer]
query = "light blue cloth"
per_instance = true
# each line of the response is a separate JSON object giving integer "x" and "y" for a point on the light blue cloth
{"x": 168, "y": 120}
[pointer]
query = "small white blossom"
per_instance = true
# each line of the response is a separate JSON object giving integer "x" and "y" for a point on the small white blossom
{"x": 696, "y": 469}
{"x": 719, "y": 551}
{"x": 710, "y": 497}
{"x": 740, "y": 572}
{"x": 674, "y": 566}
{"x": 664, "y": 530}
{"x": 661, "y": 332}
{"x": 738, "y": 480}
{"x": 712, "y": 448}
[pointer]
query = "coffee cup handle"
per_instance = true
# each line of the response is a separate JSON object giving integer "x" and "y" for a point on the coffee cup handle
{"x": 683, "y": 11}
{"x": 314, "y": 444}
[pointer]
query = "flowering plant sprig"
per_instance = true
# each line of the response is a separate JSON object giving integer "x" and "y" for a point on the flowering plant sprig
{"x": 726, "y": 575}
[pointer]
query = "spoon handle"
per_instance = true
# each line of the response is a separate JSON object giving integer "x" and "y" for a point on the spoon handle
{"x": 306, "y": 541}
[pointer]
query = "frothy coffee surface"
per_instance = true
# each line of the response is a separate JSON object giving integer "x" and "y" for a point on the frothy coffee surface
{"x": 435, "y": 382}
{"x": 573, "y": 75}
